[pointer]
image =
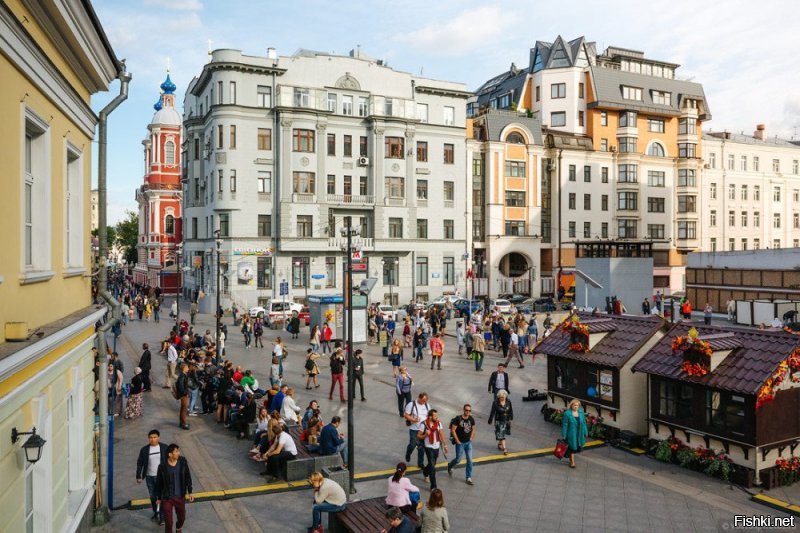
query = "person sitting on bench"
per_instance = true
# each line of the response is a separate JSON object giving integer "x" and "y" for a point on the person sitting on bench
{"x": 329, "y": 497}
{"x": 283, "y": 449}
{"x": 331, "y": 441}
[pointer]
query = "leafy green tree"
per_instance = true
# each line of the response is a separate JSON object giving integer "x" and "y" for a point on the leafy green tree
{"x": 127, "y": 235}
{"x": 111, "y": 235}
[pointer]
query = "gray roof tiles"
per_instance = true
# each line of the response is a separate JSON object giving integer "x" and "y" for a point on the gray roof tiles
{"x": 496, "y": 121}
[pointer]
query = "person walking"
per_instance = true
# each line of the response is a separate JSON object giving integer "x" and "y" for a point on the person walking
{"x": 172, "y": 363}
{"x": 174, "y": 487}
{"x": 419, "y": 344}
{"x": 396, "y": 356}
{"x": 294, "y": 325}
{"x": 156, "y": 310}
{"x": 574, "y": 430}
{"x": 505, "y": 340}
{"x": 133, "y": 409}
{"x": 433, "y": 516}
{"x": 432, "y": 436}
{"x": 416, "y": 413}
{"x": 192, "y": 312}
{"x": 145, "y": 363}
{"x": 329, "y": 497}
{"x": 327, "y": 335}
{"x": 400, "y": 490}
{"x": 115, "y": 379}
{"x": 182, "y": 390}
{"x": 730, "y": 307}
{"x": 337, "y": 374}
{"x": 707, "y": 314}
{"x": 501, "y": 414}
{"x": 193, "y": 384}
{"x": 437, "y": 350}
{"x": 645, "y": 307}
{"x": 383, "y": 340}
{"x": 533, "y": 334}
{"x": 460, "y": 333}
{"x": 246, "y": 333}
{"x": 478, "y": 348}
{"x": 499, "y": 380}
{"x": 151, "y": 456}
{"x": 314, "y": 338}
{"x": 258, "y": 332}
{"x": 358, "y": 373}
{"x": 312, "y": 369}
{"x": 402, "y": 387}
{"x": 513, "y": 346}
{"x": 462, "y": 432}
{"x": 279, "y": 351}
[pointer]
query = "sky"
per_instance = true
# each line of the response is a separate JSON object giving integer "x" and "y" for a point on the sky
{"x": 742, "y": 53}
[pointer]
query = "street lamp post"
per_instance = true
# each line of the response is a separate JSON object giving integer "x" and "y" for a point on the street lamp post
{"x": 350, "y": 232}
{"x": 178, "y": 252}
{"x": 216, "y": 311}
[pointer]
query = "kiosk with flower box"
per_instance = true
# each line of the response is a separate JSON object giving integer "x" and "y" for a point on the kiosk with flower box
{"x": 729, "y": 393}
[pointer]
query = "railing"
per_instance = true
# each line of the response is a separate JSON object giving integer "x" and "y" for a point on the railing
{"x": 350, "y": 199}
{"x": 303, "y": 198}
{"x": 401, "y": 202}
{"x": 337, "y": 243}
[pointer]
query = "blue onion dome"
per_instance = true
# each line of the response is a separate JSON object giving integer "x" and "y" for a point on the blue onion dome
{"x": 157, "y": 106}
{"x": 168, "y": 87}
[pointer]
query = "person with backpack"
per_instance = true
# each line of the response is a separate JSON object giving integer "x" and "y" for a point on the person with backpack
{"x": 437, "y": 350}
{"x": 258, "y": 331}
{"x": 432, "y": 436}
{"x": 419, "y": 344}
{"x": 416, "y": 413}
{"x": 312, "y": 370}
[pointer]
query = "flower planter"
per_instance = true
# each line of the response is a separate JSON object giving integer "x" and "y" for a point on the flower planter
{"x": 769, "y": 478}
{"x": 743, "y": 476}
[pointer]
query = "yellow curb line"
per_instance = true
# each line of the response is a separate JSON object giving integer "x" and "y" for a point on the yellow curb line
{"x": 775, "y": 503}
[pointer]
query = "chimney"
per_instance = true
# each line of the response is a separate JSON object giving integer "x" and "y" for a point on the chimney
{"x": 271, "y": 53}
{"x": 761, "y": 132}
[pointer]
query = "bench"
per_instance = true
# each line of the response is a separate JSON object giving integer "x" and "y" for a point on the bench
{"x": 306, "y": 462}
{"x": 364, "y": 516}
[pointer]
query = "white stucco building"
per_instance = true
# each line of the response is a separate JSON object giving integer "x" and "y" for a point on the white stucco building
{"x": 280, "y": 152}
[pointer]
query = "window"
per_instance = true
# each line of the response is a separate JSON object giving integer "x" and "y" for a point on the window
{"x": 572, "y": 173}
{"x": 330, "y": 272}
{"x": 348, "y": 146}
{"x": 580, "y": 118}
{"x": 587, "y": 202}
{"x": 744, "y": 244}
{"x": 515, "y": 137}
{"x": 169, "y": 152}
{"x": 301, "y": 97}
{"x": 515, "y": 228}
{"x": 675, "y": 400}
{"x": 224, "y": 225}
{"x": 331, "y": 144}
{"x": 219, "y": 91}
{"x": 626, "y": 201}
{"x": 395, "y": 187}
{"x": 449, "y": 270}
{"x": 725, "y": 411}
{"x": 604, "y": 174}
{"x": 776, "y": 165}
{"x": 567, "y": 376}
{"x": 449, "y": 154}
{"x": 394, "y": 148}
{"x": 422, "y": 112}
{"x": 731, "y": 244}
{"x": 504, "y": 102}
{"x": 395, "y": 228}
{"x": 655, "y": 178}
{"x": 712, "y": 191}
{"x": 604, "y": 145}
{"x": 264, "y": 139}
{"x": 776, "y": 220}
{"x": 515, "y": 198}
{"x": 662, "y": 98}
{"x": 220, "y": 136}
{"x": 304, "y": 225}
{"x": 687, "y": 229}
{"x": 603, "y": 118}
{"x": 347, "y": 105}
{"x": 626, "y": 228}
{"x": 449, "y": 191}
{"x": 627, "y": 119}
{"x": 604, "y": 230}
{"x": 776, "y": 194}
{"x": 776, "y": 244}
{"x": 363, "y": 106}
{"x": 687, "y": 204}
{"x": 587, "y": 230}
{"x": 712, "y": 221}
{"x": 514, "y": 169}
{"x": 572, "y": 229}
{"x": 656, "y": 150}
{"x": 731, "y": 161}
{"x": 233, "y": 138}
{"x": 756, "y": 219}
{"x": 264, "y": 181}
{"x": 303, "y": 182}
{"x": 744, "y": 218}
{"x": 756, "y": 244}
{"x": 300, "y": 272}
{"x": 422, "y": 189}
{"x": 712, "y": 244}
{"x": 194, "y": 227}
{"x": 604, "y": 202}
{"x": 757, "y": 193}
{"x": 712, "y": 160}
{"x": 558, "y": 119}
{"x": 220, "y": 180}
{"x": 744, "y": 192}
{"x": 743, "y": 163}
{"x": 421, "y": 271}
{"x": 655, "y": 125}
{"x": 631, "y": 93}
{"x": 387, "y": 107}
{"x": 449, "y": 229}
{"x": 422, "y": 228}
{"x": 196, "y": 149}
{"x": 422, "y": 151}
{"x": 655, "y": 205}
{"x": 796, "y": 220}
{"x": 571, "y": 201}
{"x": 731, "y": 192}
{"x": 264, "y": 96}
{"x": 233, "y": 181}
{"x": 627, "y": 144}
{"x": 655, "y": 231}
{"x": 687, "y": 150}
{"x": 731, "y": 218}
{"x": 36, "y": 206}
{"x": 580, "y": 90}
{"x": 687, "y": 126}
{"x": 796, "y": 195}
{"x": 302, "y": 140}
{"x": 73, "y": 208}
{"x": 558, "y": 90}
{"x": 264, "y": 225}
{"x": 449, "y": 115}
{"x": 628, "y": 173}
{"x": 362, "y": 147}
{"x": 362, "y": 185}
{"x": 587, "y": 174}
{"x": 756, "y": 163}
{"x": 348, "y": 186}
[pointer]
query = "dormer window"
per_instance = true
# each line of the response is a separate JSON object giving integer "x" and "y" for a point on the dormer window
{"x": 662, "y": 98}
{"x": 631, "y": 93}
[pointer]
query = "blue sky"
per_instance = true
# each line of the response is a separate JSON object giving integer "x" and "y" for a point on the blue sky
{"x": 743, "y": 55}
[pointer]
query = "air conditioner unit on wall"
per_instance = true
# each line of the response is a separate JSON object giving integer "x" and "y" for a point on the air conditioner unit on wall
{"x": 363, "y": 161}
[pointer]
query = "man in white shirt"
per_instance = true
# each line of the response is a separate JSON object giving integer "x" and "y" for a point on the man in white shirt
{"x": 172, "y": 362}
{"x": 415, "y": 414}
{"x": 283, "y": 449}
{"x": 513, "y": 349}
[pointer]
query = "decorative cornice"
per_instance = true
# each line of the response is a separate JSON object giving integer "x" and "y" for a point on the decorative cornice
{"x": 441, "y": 91}
{"x": 208, "y": 69}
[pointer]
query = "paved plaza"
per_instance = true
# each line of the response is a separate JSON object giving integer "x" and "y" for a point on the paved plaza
{"x": 610, "y": 490}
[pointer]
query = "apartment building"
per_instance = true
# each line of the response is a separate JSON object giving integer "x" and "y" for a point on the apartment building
{"x": 621, "y": 151}
{"x": 750, "y": 192}
{"x": 53, "y": 57}
{"x": 281, "y": 153}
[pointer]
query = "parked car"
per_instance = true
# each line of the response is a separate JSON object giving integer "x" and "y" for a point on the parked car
{"x": 387, "y": 311}
{"x": 514, "y": 298}
{"x": 538, "y": 305}
{"x": 275, "y": 310}
{"x": 464, "y": 307}
{"x": 504, "y": 306}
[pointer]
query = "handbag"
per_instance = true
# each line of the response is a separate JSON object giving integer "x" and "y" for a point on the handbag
{"x": 561, "y": 448}
{"x": 414, "y": 497}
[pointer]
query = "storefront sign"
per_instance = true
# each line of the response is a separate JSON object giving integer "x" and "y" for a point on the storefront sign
{"x": 263, "y": 252}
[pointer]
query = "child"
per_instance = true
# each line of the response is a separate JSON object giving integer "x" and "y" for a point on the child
{"x": 460, "y": 337}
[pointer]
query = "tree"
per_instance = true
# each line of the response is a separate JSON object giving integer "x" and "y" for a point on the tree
{"x": 127, "y": 234}
{"x": 111, "y": 235}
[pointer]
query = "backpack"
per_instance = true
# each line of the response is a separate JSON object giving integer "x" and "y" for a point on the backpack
{"x": 309, "y": 364}
{"x": 414, "y": 410}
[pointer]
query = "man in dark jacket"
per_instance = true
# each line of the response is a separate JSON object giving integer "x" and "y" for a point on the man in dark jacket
{"x": 150, "y": 458}
{"x": 182, "y": 387}
{"x": 331, "y": 441}
{"x": 358, "y": 373}
{"x": 145, "y": 364}
{"x": 499, "y": 380}
{"x": 174, "y": 486}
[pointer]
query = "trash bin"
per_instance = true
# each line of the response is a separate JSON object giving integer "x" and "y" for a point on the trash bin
{"x": 340, "y": 475}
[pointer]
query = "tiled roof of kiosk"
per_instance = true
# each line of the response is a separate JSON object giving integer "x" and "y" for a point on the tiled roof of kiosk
{"x": 754, "y": 356}
{"x": 624, "y": 335}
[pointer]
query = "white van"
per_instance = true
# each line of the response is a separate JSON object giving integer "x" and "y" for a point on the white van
{"x": 275, "y": 310}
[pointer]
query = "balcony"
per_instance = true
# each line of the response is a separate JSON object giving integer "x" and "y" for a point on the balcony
{"x": 304, "y": 198}
{"x": 350, "y": 199}
{"x": 304, "y": 98}
{"x": 394, "y": 201}
{"x": 339, "y": 243}
{"x": 627, "y": 131}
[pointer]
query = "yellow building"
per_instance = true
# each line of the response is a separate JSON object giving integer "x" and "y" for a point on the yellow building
{"x": 54, "y": 56}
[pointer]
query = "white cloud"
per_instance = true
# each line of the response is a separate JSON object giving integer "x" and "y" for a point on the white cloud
{"x": 467, "y": 32}
{"x": 176, "y": 5}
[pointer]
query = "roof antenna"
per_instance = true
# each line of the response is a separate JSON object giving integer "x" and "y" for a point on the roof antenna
{"x": 420, "y": 70}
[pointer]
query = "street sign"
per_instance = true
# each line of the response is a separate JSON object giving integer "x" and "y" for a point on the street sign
{"x": 317, "y": 276}
{"x": 284, "y": 288}
{"x": 356, "y": 255}
{"x": 359, "y": 267}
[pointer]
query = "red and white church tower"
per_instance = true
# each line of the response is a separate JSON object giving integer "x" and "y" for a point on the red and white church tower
{"x": 159, "y": 199}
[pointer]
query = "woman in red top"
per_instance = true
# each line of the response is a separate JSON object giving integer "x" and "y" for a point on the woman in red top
{"x": 327, "y": 335}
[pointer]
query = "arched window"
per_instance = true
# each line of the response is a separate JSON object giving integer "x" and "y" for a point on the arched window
{"x": 515, "y": 138}
{"x": 169, "y": 156}
{"x": 169, "y": 225}
{"x": 657, "y": 150}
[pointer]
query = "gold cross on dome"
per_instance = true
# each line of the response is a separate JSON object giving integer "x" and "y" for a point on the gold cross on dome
{"x": 167, "y": 64}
